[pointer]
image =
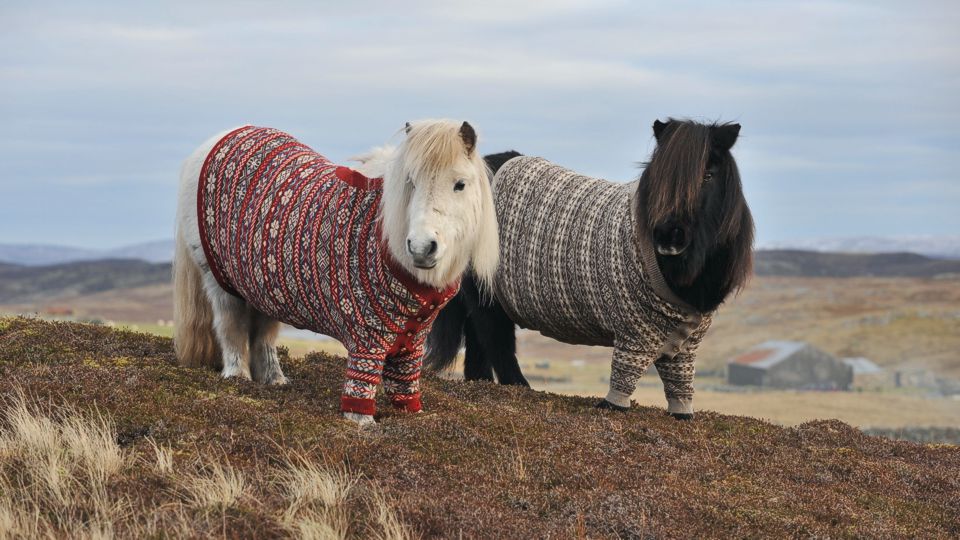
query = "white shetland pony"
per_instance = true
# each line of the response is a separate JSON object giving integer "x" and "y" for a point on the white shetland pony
{"x": 269, "y": 231}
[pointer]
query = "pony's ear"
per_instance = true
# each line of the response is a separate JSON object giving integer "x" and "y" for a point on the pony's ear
{"x": 469, "y": 137}
{"x": 407, "y": 127}
{"x": 659, "y": 127}
{"x": 725, "y": 136}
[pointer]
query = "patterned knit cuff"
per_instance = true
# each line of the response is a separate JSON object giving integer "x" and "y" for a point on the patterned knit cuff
{"x": 358, "y": 405}
{"x": 618, "y": 398}
{"x": 681, "y": 406}
{"x": 406, "y": 402}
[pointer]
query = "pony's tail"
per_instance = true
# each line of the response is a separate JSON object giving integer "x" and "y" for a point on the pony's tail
{"x": 446, "y": 335}
{"x": 193, "y": 339}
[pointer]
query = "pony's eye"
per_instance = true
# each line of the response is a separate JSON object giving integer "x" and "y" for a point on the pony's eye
{"x": 459, "y": 185}
{"x": 707, "y": 177}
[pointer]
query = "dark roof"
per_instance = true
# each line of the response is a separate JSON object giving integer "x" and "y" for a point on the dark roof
{"x": 768, "y": 353}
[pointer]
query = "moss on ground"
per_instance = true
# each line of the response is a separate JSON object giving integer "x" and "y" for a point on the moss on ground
{"x": 497, "y": 462}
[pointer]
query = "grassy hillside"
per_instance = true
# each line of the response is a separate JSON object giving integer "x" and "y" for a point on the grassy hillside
{"x": 483, "y": 461}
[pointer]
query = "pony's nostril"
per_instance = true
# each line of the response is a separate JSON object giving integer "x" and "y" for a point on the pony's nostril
{"x": 409, "y": 246}
{"x": 433, "y": 247}
{"x": 677, "y": 236}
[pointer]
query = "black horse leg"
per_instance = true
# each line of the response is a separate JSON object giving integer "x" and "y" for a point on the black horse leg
{"x": 502, "y": 351}
{"x": 495, "y": 335}
{"x": 476, "y": 367}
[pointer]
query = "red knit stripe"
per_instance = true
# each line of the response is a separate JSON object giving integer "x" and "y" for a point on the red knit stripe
{"x": 201, "y": 214}
{"x": 358, "y": 405}
{"x": 312, "y": 279}
{"x": 284, "y": 220}
{"x": 243, "y": 244}
{"x": 358, "y": 180}
{"x": 396, "y": 376}
{"x": 226, "y": 187}
{"x": 347, "y": 234}
{"x": 363, "y": 376}
{"x": 407, "y": 402}
{"x": 374, "y": 299}
{"x": 258, "y": 207}
{"x": 233, "y": 245}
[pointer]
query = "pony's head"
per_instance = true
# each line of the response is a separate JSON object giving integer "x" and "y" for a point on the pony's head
{"x": 438, "y": 214}
{"x": 690, "y": 203}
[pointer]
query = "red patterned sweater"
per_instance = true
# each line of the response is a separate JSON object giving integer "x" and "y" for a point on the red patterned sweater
{"x": 297, "y": 237}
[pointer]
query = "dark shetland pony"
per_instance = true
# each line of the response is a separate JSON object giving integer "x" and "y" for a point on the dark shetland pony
{"x": 696, "y": 218}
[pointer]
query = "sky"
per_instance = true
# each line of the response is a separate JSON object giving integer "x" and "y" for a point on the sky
{"x": 850, "y": 110}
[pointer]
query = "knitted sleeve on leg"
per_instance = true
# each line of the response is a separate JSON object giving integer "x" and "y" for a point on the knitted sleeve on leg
{"x": 401, "y": 381}
{"x": 627, "y": 368}
{"x": 677, "y": 372}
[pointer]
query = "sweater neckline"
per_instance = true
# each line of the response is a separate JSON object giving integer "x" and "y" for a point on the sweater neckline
{"x": 429, "y": 296}
{"x": 648, "y": 257}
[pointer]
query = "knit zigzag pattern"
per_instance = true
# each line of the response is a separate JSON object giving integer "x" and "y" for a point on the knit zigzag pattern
{"x": 297, "y": 237}
{"x": 571, "y": 267}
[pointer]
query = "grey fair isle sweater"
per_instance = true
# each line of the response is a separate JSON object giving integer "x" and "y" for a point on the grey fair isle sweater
{"x": 571, "y": 267}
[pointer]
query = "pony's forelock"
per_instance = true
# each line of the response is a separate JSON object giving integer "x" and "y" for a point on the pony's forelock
{"x": 430, "y": 147}
{"x": 671, "y": 179}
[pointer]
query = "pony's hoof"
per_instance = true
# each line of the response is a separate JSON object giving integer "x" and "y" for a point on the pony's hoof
{"x": 236, "y": 374}
{"x": 361, "y": 420}
{"x": 681, "y": 416}
{"x": 282, "y": 380}
{"x": 604, "y": 404}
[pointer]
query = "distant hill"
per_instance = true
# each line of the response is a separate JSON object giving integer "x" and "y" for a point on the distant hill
{"x": 936, "y": 247}
{"x": 817, "y": 264}
{"x": 20, "y": 283}
{"x": 939, "y": 247}
{"x": 42, "y": 254}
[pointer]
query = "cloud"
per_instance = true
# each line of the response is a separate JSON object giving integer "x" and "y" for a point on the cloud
{"x": 832, "y": 95}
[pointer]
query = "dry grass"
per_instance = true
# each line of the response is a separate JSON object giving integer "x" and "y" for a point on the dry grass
{"x": 56, "y": 465}
{"x": 163, "y": 457}
{"x": 60, "y": 470}
{"x": 386, "y": 523}
{"x": 316, "y": 499}
{"x": 218, "y": 485}
{"x": 331, "y": 503}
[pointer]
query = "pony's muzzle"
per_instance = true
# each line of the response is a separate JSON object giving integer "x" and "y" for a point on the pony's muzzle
{"x": 423, "y": 252}
{"x": 670, "y": 239}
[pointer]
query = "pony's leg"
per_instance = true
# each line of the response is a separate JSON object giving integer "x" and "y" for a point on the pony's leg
{"x": 231, "y": 323}
{"x": 364, "y": 373}
{"x": 490, "y": 339}
{"x": 501, "y": 345}
{"x": 628, "y": 365}
{"x": 491, "y": 333}
{"x": 476, "y": 366}
{"x": 677, "y": 376}
{"x": 264, "y": 364}
{"x": 401, "y": 381}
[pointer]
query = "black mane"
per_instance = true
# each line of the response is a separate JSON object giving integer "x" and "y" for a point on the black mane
{"x": 495, "y": 161}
